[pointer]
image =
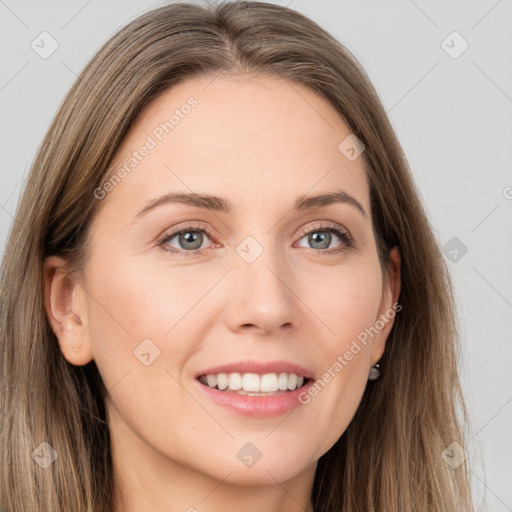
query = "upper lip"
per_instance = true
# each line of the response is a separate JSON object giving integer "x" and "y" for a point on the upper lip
{"x": 260, "y": 367}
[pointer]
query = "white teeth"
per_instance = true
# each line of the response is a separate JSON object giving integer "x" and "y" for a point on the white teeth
{"x": 292, "y": 381}
{"x": 283, "y": 382}
{"x": 268, "y": 382}
{"x": 235, "y": 381}
{"x": 249, "y": 383}
{"x": 222, "y": 381}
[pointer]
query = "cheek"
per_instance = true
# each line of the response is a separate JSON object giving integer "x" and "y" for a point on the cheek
{"x": 336, "y": 395}
{"x": 140, "y": 344}
{"x": 144, "y": 318}
{"x": 347, "y": 311}
{"x": 347, "y": 301}
{"x": 140, "y": 303}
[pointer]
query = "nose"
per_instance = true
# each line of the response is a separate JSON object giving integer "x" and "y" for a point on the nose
{"x": 262, "y": 298}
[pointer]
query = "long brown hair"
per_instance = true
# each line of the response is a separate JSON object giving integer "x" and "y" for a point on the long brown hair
{"x": 390, "y": 458}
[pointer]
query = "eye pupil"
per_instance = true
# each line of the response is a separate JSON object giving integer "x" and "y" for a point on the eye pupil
{"x": 322, "y": 236}
{"x": 192, "y": 237}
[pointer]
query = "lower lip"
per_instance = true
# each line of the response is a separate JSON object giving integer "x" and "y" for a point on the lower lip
{"x": 257, "y": 406}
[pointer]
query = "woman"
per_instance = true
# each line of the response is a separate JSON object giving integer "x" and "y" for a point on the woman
{"x": 251, "y": 368}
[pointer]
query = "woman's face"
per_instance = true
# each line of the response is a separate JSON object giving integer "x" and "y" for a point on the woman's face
{"x": 267, "y": 284}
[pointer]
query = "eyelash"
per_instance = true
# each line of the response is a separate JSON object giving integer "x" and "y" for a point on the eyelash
{"x": 347, "y": 240}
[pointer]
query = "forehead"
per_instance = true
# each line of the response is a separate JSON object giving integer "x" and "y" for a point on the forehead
{"x": 260, "y": 139}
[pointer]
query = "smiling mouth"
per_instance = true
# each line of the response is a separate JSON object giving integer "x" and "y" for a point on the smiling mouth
{"x": 254, "y": 384}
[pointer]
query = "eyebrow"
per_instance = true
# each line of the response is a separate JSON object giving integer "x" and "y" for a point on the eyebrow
{"x": 221, "y": 204}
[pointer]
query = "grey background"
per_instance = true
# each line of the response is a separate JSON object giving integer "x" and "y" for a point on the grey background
{"x": 453, "y": 117}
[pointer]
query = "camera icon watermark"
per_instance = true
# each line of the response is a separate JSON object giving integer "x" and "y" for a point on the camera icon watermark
{"x": 146, "y": 352}
{"x": 45, "y": 455}
{"x": 249, "y": 455}
{"x": 351, "y": 147}
{"x": 454, "y": 249}
{"x": 44, "y": 45}
{"x": 249, "y": 249}
{"x": 454, "y": 455}
{"x": 454, "y": 45}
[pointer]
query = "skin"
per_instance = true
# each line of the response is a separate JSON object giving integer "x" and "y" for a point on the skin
{"x": 259, "y": 143}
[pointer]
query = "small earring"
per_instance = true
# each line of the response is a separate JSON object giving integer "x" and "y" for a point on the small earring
{"x": 374, "y": 372}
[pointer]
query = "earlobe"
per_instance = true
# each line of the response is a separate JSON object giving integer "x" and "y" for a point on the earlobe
{"x": 65, "y": 307}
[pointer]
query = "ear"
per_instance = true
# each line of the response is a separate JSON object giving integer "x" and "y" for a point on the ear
{"x": 66, "y": 308}
{"x": 387, "y": 309}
